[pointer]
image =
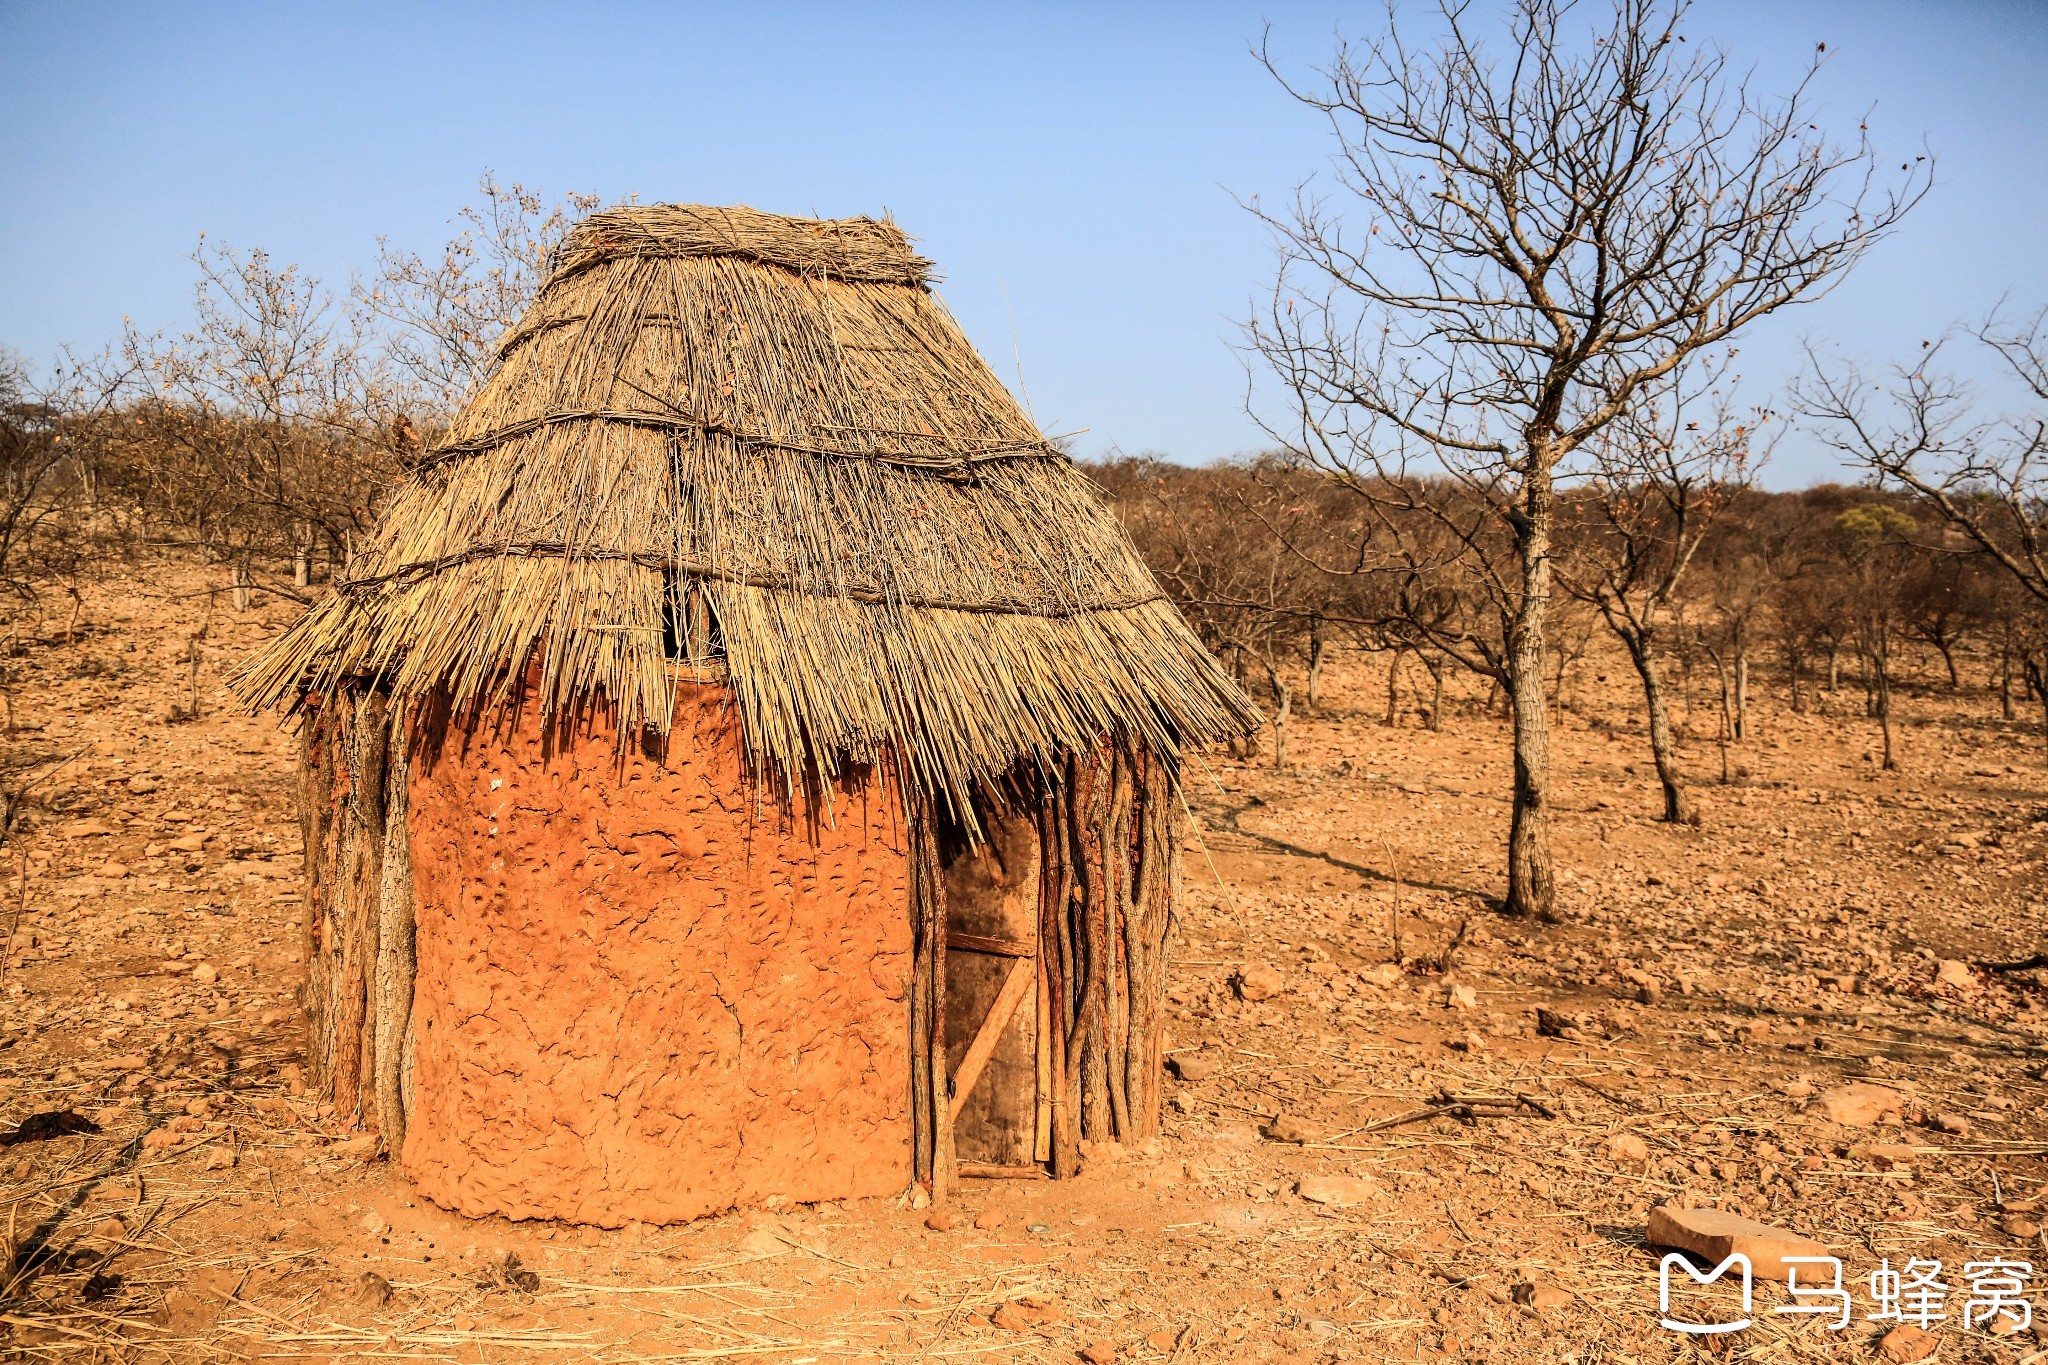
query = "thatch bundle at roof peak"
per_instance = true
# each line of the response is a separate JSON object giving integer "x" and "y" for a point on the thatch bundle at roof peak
{"x": 770, "y": 424}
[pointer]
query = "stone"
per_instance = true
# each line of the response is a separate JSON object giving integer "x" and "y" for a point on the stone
{"x": 1287, "y": 1128}
{"x": 1191, "y": 1068}
{"x": 1540, "y": 1296}
{"x": 761, "y": 1242}
{"x": 1859, "y": 1105}
{"x": 1885, "y": 1156}
{"x": 1906, "y": 1343}
{"x": 1628, "y": 1149}
{"x": 1258, "y": 982}
{"x": 1950, "y": 972}
{"x": 1714, "y": 1235}
{"x": 1026, "y": 1312}
{"x": 1338, "y": 1191}
{"x": 372, "y": 1290}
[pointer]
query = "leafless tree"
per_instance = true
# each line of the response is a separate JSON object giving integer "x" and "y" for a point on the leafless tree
{"x": 1984, "y": 477}
{"x": 1661, "y": 476}
{"x": 1521, "y": 238}
{"x": 442, "y": 320}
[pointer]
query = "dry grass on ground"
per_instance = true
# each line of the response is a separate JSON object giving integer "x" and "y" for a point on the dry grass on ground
{"x": 1704, "y": 985}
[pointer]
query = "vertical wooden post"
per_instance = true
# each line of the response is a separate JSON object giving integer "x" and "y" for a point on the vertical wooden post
{"x": 932, "y": 1153}
{"x": 391, "y": 996}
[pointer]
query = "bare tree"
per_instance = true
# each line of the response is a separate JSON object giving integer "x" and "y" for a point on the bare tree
{"x": 444, "y": 320}
{"x": 1662, "y": 474}
{"x": 1986, "y": 478}
{"x": 1542, "y": 230}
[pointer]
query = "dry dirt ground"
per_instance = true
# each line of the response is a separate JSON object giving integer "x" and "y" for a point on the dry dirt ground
{"x": 1703, "y": 987}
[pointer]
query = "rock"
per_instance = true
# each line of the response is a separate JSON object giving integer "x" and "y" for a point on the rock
{"x": 1028, "y": 1311}
{"x": 1907, "y": 1343}
{"x": 1859, "y": 1105}
{"x": 1338, "y": 1191}
{"x": 1885, "y": 1156}
{"x": 1191, "y": 1068}
{"x": 1715, "y": 1235}
{"x": 1542, "y": 1297}
{"x": 1955, "y": 1125}
{"x": 1258, "y": 982}
{"x": 1287, "y": 1128}
{"x": 1628, "y": 1149}
{"x": 1098, "y": 1353}
{"x": 1461, "y": 998}
{"x": 372, "y": 1290}
{"x": 1950, "y": 972}
{"x": 761, "y": 1242}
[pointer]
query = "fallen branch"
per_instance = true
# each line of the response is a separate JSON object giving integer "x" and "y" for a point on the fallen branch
{"x": 1468, "y": 1109}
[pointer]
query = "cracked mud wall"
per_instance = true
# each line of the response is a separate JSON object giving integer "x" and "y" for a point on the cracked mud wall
{"x": 642, "y": 998}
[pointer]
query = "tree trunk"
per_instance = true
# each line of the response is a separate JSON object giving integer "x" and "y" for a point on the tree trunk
{"x": 1882, "y": 691}
{"x": 1678, "y": 805}
{"x": 1317, "y": 649}
{"x": 1948, "y": 658}
{"x": 2005, "y": 673}
{"x": 1795, "y": 665}
{"x": 1741, "y": 684}
{"x": 1834, "y": 666}
{"x": 240, "y": 580}
{"x": 1436, "y": 700}
{"x": 1283, "y": 708}
{"x": 1531, "y": 888}
{"x": 1394, "y": 689}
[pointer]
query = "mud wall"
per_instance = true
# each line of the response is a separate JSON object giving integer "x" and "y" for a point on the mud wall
{"x": 642, "y": 997}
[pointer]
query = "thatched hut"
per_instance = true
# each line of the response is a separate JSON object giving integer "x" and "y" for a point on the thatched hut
{"x": 743, "y": 760}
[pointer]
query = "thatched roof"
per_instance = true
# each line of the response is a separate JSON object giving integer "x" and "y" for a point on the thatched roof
{"x": 779, "y": 414}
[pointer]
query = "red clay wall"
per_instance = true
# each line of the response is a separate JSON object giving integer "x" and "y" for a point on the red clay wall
{"x": 641, "y": 999}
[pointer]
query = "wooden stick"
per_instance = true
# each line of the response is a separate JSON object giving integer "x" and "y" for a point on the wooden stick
{"x": 1015, "y": 985}
{"x": 982, "y": 1170}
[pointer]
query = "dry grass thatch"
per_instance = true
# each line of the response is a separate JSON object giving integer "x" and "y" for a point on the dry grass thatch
{"x": 775, "y": 419}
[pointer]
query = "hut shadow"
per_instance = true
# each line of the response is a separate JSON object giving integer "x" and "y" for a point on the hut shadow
{"x": 1230, "y": 824}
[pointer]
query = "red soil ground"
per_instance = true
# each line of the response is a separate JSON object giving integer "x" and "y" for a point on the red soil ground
{"x": 1705, "y": 983}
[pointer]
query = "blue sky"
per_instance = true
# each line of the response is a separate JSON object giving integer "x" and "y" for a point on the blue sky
{"x": 1070, "y": 167}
